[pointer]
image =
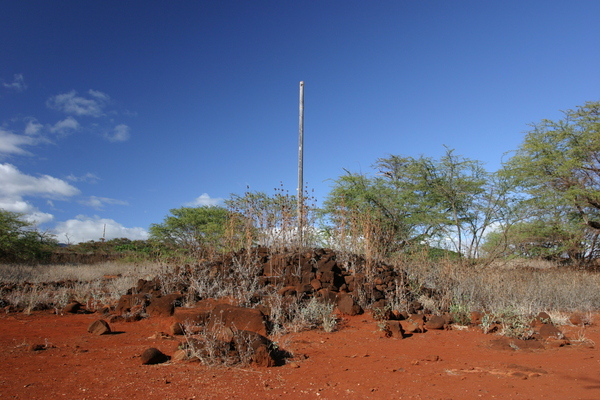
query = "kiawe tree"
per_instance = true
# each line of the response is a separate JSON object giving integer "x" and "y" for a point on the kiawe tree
{"x": 558, "y": 167}
{"x": 20, "y": 241}
{"x": 199, "y": 230}
{"x": 562, "y": 159}
{"x": 421, "y": 200}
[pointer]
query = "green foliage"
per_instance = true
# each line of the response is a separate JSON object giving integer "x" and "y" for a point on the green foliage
{"x": 558, "y": 169}
{"x": 198, "y": 230}
{"x": 460, "y": 312}
{"x": 538, "y": 239}
{"x": 559, "y": 162}
{"x": 272, "y": 221}
{"x": 268, "y": 220}
{"x": 450, "y": 202}
{"x": 423, "y": 251}
{"x": 20, "y": 242}
{"x": 368, "y": 207}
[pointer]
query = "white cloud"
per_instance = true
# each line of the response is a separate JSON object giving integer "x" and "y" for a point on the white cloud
{"x": 204, "y": 200}
{"x": 119, "y": 134}
{"x": 65, "y": 126}
{"x": 31, "y": 213}
{"x": 37, "y": 217}
{"x": 71, "y": 103}
{"x": 14, "y": 183}
{"x": 99, "y": 202}
{"x": 33, "y": 127}
{"x": 88, "y": 177}
{"x": 11, "y": 143}
{"x": 99, "y": 95}
{"x": 84, "y": 228}
{"x": 17, "y": 84}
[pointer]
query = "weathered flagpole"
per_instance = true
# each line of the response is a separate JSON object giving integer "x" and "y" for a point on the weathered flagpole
{"x": 301, "y": 166}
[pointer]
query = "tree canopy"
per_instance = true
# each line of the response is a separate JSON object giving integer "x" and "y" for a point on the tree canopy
{"x": 199, "y": 230}
{"x": 558, "y": 164}
{"x": 556, "y": 174}
{"x": 448, "y": 201}
{"x": 20, "y": 241}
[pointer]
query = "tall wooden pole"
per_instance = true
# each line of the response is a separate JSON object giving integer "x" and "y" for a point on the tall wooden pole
{"x": 301, "y": 166}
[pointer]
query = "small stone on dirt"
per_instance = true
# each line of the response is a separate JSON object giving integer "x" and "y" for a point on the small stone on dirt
{"x": 435, "y": 322}
{"x": 72, "y": 308}
{"x": 177, "y": 329}
{"x": 153, "y": 356}
{"x": 99, "y": 327}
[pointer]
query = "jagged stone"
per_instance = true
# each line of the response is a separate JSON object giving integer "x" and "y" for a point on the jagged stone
{"x": 99, "y": 327}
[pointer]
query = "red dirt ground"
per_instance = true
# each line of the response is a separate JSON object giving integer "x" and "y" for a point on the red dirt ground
{"x": 356, "y": 362}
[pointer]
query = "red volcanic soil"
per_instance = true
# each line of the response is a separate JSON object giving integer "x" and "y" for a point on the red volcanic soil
{"x": 356, "y": 362}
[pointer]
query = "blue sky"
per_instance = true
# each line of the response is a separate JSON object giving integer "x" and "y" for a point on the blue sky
{"x": 112, "y": 113}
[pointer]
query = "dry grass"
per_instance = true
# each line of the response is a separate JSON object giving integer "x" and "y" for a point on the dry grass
{"x": 17, "y": 273}
{"x": 513, "y": 294}
{"x": 524, "y": 290}
{"x": 53, "y": 286}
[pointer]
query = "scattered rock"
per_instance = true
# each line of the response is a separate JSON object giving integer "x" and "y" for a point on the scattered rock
{"x": 547, "y": 331}
{"x": 348, "y": 305}
{"x": 105, "y": 310}
{"x": 115, "y": 318}
{"x": 256, "y": 346}
{"x": 163, "y": 305}
{"x": 36, "y": 347}
{"x": 543, "y": 318}
{"x": 576, "y": 319}
{"x": 153, "y": 356}
{"x": 435, "y": 322}
{"x": 240, "y": 318}
{"x": 72, "y": 308}
{"x": 199, "y": 314}
{"x": 316, "y": 284}
{"x": 132, "y": 318}
{"x": 395, "y": 329}
{"x": 409, "y": 326}
{"x": 129, "y": 301}
{"x": 99, "y": 327}
{"x": 414, "y": 307}
{"x": 177, "y": 329}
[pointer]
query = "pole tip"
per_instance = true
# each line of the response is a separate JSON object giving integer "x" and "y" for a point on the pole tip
{"x": 301, "y": 83}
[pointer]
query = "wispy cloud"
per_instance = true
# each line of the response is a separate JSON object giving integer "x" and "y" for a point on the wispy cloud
{"x": 99, "y": 202}
{"x": 83, "y": 228}
{"x": 119, "y": 134}
{"x": 72, "y": 103}
{"x": 88, "y": 177}
{"x": 11, "y": 143}
{"x": 99, "y": 95}
{"x": 33, "y": 127}
{"x": 18, "y": 83}
{"x": 65, "y": 126}
{"x": 204, "y": 200}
